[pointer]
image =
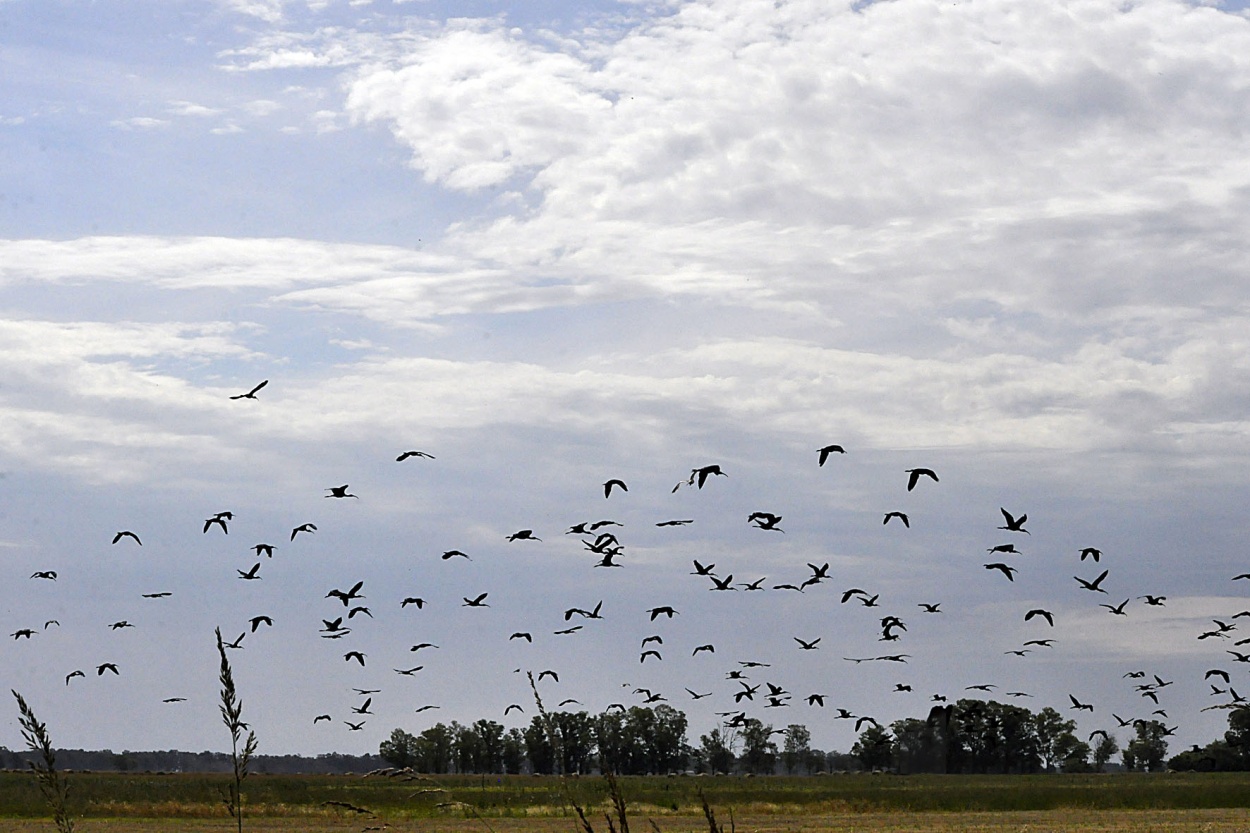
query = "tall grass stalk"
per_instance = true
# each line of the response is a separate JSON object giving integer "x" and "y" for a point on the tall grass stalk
{"x": 54, "y": 787}
{"x": 232, "y": 716}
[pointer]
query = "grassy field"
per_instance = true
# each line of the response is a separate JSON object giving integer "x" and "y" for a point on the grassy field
{"x": 453, "y": 804}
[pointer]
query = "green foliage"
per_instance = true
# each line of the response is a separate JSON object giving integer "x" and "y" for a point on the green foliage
{"x": 759, "y": 752}
{"x": 232, "y": 715}
{"x": 399, "y": 750}
{"x": 716, "y": 750}
{"x": 874, "y": 749}
{"x": 796, "y": 753}
{"x": 53, "y": 787}
{"x": 1149, "y": 749}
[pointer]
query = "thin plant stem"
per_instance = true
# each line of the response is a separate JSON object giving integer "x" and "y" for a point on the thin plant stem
{"x": 53, "y": 786}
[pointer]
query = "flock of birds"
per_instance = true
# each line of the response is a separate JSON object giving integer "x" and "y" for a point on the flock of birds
{"x": 745, "y": 684}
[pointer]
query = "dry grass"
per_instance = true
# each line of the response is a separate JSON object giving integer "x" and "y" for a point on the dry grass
{"x": 1056, "y": 821}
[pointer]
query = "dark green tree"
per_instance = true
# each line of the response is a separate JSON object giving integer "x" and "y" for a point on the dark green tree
{"x": 759, "y": 752}
{"x": 1149, "y": 749}
{"x": 399, "y": 750}
{"x": 874, "y": 749}
{"x": 1054, "y": 736}
{"x": 716, "y": 750}
{"x": 796, "y": 751}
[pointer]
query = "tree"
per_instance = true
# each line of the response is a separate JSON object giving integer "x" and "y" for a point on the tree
{"x": 716, "y": 750}
{"x": 917, "y": 747}
{"x": 1103, "y": 750}
{"x": 1054, "y": 736}
{"x": 759, "y": 753}
{"x": 797, "y": 748}
{"x": 1149, "y": 749}
{"x": 874, "y": 749}
{"x": 434, "y": 749}
{"x": 399, "y": 750}
{"x": 512, "y": 751}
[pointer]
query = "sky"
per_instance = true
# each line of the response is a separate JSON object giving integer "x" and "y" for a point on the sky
{"x": 551, "y": 244}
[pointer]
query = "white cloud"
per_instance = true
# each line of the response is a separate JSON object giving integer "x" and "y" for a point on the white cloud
{"x": 139, "y": 123}
{"x": 190, "y": 108}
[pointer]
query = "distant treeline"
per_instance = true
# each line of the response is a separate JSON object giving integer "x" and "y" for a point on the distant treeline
{"x": 174, "y": 760}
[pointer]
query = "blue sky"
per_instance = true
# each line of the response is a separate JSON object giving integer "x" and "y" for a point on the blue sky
{"x": 556, "y": 244}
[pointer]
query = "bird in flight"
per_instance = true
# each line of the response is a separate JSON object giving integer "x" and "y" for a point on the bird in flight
{"x": 914, "y": 476}
{"x": 160, "y": 595}
{"x": 827, "y": 450}
{"x": 1079, "y": 706}
{"x": 1005, "y": 569}
{"x": 1013, "y": 524}
{"x": 765, "y": 520}
{"x": 257, "y": 621}
{"x": 220, "y": 519}
{"x": 412, "y": 600}
{"x": 450, "y": 554}
{"x": 106, "y": 666}
{"x": 1091, "y": 552}
{"x": 71, "y": 675}
{"x": 250, "y": 574}
{"x": 340, "y": 491}
{"x": 263, "y": 549}
{"x": 347, "y": 597}
{"x": 699, "y": 476}
{"x": 309, "y": 528}
{"x": 401, "y": 458}
{"x": 1045, "y": 614}
{"x": 477, "y": 601}
{"x": 614, "y": 483}
{"x": 807, "y": 646}
{"x": 681, "y": 522}
{"x": 1092, "y": 585}
{"x": 355, "y": 655}
{"x": 665, "y": 610}
{"x": 251, "y": 394}
{"x": 901, "y": 516}
{"x": 523, "y": 535}
{"x": 1118, "y": 610}
{"x": 48, "y": 574}
{"x": 126, "y": 533}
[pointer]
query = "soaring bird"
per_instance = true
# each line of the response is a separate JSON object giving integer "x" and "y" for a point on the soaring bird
{"x": 1045, "y": 614}
{"x": 251, "y": 394}
{"x": 765, "y": 520}
{"x": 48, "y": 574}
{"x": 264, "y": 549}
{"x": 665, "y": 610}
{"x": 614, "y": 482}
{"x": 354, "y": 727}
{"x": 257, "y": 621}
{"x": 159, "y": 595}
{"x": 359, "y": 609}
{"x": 721, "y": 584}
{"x": 1013, "y": 524}
{"x": 71, "y": 675}
{"x": 696, "y": 695}
{"x": 309, "y": 528}
{"x": 477, "y": 601}
{"x": 523, "y": 535}
{"x": 916, "y": 474}
{"x": 1092, "y": 585}
{"x": 220, "y": 519}
{"x": 522, "y": 635}
{"x": 250, "y": 574}
{"x": 680, "y": 522}
{"x": 1092, "y": 552}
{"x": 827, "y": 450}
{"x": 930, "y": 608}
{"x": 412, "y": 600}
{"x": 650, "y": 653}
{"x": 701, "y": 570}
{"x": 346, "y": 598}
{"x": 340, "y": 491}
{"x": 356, "y": 655}
{"x": 126, "y": 533}
{"x": 1078, "y": 705}
{"x": 408, "y": 672}
{"x": 421, "y": 645}
{"x": 808, "y": 646}
{"x": 106, "y": 666}
{"x": 119, "y": 625}
{"x": 20, "y": 633}
{"x": 450, "y": 554}
{"x": 1118, "y": 610}
{"x": 321, "y": 717}
{"x": 401, "y": 458}
{"x": 700, "y": 475}
{"x": 1005, "y": 548}
{"x": 901, "y": 516}
{"x": 1006, "y": 570}
{"x": 709, "y": 648}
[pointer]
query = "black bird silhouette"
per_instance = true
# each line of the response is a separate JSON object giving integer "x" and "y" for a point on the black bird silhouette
{"x": 359, "y": 609}
{"x": 1007, "y": 548}
{"x": 755, "y": 585}
{"x": 696, "y": 695}
{"x": 711, "y": 649}
{"x": 250, "y": 574}
{"x": 22, "y": 633}
{"x": 522, "y": 635}
{"x": 765, "y": 520}
{"x": 421, "y": 645}
{"x": 354, "y": 727}
{"x": 48, "y": 574}
{"x": 548, "y": 673}
{"x": 700, "y": 570}
{"x": 321, "y": 717}
{"x": 1013, "y": 524}
{"x": 412, "y": 600}
{"x": 251, "y": 394}
{"x": 827, "y": 450}
{"x": 1157, "y": 601}
{"x": 699, "y": 476}
{"x": 71, "y": 675}
{"x": 1045, "y": 614}
{"x": 401, "y": 458}
{"x": 126, "y": 533}
{"x": 106, "y": 666}
{"x": 477, "y": 601}
{"x": 721, "y": 584}
{"x": 1092, "y": 585}
{"x": 346, "y": 598}
{"x": 1092, "y": 552}
{"x": 808, "y": 646}
{"x": 651, "y": 653}
{"x": 523, "y": 535}
{"x": 902, "y": 517}
{"x": 340, "y": 491}
{"x": 264, "y": 549}
{"x": 1079, "y": 706}
{"x": 408, "y": 672}
{"x": 257, "y": 621}
{"x": 514, "y": 707}
{"x": 363, "y": 708}
{"x": 676, "y": 523}
{"x": 455, "y": 554}
{"x": 607, "y": 487}
{"x": 916, "y": 474}
{"x": 1006, "y": 570}
{"x": 930, "y": 608}
{"x": 1116, "y": 609}
{"x": 309, "y": 528}
{"x": 355, "y": 655}
{"x": 160, "y": 595}
{"x": 568, "y": 631}
{"x": 119, "y": 625}
{"x": 238, "y": 643}
{"x": 816, "y": 700}
{"x": 665, "y": 610}
{"x": 220, "y": 519}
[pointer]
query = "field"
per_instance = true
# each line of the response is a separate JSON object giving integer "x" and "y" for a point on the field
{"x": 128, "y": 803}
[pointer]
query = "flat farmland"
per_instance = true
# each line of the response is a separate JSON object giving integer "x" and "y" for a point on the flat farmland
{"x": 521, "y": 804}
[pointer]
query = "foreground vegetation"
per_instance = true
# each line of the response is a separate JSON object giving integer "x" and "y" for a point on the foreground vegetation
{"x": 501, "y": 799}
